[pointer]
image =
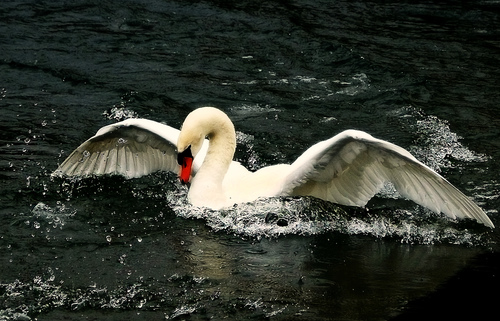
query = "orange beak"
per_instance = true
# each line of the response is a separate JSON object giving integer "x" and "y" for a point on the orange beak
{"x": 185, "y": 159}
{"x": 185, "y": 173}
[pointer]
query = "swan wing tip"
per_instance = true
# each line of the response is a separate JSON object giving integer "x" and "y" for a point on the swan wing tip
{"x": 485, "y": 220}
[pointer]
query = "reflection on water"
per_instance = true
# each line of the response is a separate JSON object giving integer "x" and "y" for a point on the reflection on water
{"x": 137, "y": 261}
{"x": 156, "y": 254}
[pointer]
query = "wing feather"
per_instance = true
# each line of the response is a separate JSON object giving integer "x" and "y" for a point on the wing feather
{"x": 132, "y": 148}
{"x": 351, "y": 167}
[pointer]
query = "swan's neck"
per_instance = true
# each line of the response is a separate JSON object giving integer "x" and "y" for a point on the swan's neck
{"x": 207, "y": 184}
{"x": 222, "y": 144}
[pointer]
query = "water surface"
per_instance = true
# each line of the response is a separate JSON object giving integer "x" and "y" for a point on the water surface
{"x": 422, "y": 75}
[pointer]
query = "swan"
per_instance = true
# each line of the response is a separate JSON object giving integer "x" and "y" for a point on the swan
{"x": 348, "y": 169}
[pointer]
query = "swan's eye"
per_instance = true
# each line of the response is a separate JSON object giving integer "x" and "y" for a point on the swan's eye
{"x": 181, "y": 156}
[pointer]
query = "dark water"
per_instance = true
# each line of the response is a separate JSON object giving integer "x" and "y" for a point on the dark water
{"x": 424, "y": 75}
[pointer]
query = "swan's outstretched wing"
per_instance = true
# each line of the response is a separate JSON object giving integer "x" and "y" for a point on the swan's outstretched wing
{"x": 131, "y": 148}
{"x": 351, "y": 167}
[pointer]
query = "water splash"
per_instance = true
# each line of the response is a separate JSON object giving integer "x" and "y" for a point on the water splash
{"x": 55, "y": 216}
{"x": 186, "y": 295}
{"x": 279, "y": 216}
{"x": 120, "y": 113}
{"x": 22, "y": 299}
{"x": 43, "y": 294}
{"x": 185, "y": 310}
{"x": 436, "y": 143}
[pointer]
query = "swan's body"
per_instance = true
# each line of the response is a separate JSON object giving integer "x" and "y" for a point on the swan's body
{"x": 349, "y": 168}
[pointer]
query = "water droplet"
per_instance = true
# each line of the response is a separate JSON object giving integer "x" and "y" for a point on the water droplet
{"x": 108, "y": 238}
{"x": 122, "y": 258}
{"x": 141, "y": 303}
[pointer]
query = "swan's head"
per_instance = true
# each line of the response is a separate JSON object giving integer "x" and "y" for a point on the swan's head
{"x": 205, "y": 122}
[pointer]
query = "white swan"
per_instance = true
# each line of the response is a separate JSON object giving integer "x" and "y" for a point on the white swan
{"x": 349, "y": 168}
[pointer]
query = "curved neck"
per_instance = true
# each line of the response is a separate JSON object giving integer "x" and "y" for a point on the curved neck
{"x": 222, "y": 145}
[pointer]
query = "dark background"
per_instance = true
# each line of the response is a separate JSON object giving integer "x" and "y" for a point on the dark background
{"x": 423, "y": 75}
